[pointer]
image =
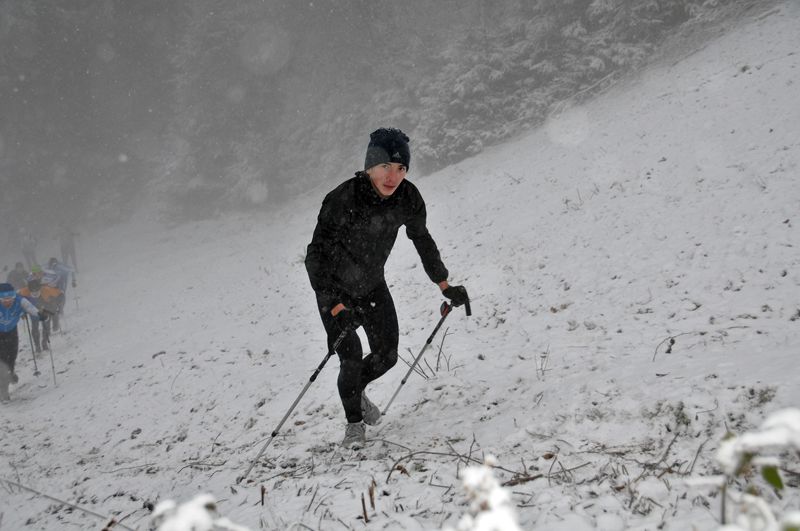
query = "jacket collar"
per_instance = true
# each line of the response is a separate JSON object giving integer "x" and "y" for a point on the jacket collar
{"x": 368, "y": 193}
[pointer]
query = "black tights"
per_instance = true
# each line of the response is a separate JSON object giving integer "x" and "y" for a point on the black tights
{"x": 355, "y": 372}
{"x": 45, "y": 335}
{"x": 9, "y": 345}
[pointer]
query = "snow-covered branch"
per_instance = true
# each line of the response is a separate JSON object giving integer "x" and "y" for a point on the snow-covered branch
{"x": 490, "y": 506}
{"x": 199, "y": 514}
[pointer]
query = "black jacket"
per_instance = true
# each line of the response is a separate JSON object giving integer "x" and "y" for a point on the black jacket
{"x": 356, "y": 230}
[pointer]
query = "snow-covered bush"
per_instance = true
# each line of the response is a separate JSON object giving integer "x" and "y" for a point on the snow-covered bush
{"x": 490, "y": 506}
{"x": 199, "y": 514}
{"x": 759, "y": 450}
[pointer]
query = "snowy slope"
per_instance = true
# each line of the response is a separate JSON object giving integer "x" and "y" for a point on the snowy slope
{"x": 664, "y": 209}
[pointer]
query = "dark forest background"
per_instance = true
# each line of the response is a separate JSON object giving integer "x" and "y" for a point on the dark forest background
{"x": 203, "y": 106}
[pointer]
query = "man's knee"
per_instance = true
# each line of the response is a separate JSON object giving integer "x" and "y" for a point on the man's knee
{"x": 390, "y": 359}
{"x": 349, "y": 370}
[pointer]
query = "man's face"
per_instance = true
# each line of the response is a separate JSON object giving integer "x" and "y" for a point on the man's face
{"x": 7, "y": 301}
{"x": 387, "y": 177}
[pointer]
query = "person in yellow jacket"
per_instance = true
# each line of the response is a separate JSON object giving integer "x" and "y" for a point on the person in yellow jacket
{"x": 44, "y": 298}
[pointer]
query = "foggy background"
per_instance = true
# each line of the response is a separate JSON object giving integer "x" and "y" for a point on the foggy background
{"x": 188, "y": 109}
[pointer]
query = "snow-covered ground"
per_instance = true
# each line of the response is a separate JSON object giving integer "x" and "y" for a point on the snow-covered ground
{"x": 667, "y": 208}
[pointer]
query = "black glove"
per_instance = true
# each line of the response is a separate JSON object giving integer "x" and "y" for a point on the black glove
{"x": 43, "y": 314}
{"x": 347, "y": 320}
{"x": 457, "y": 295}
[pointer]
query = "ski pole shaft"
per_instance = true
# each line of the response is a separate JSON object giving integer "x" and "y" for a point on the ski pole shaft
{"x": 445, "y": 310}
{"x": 52, "y": 363}
{"x": 33, "y": 352}
{"x": 294, "y": 404}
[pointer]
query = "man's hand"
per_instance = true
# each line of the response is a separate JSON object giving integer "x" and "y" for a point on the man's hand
{"x": 456, "y": 294}
{"x": 347, "y": 319}
{"x": 43, "y": 315}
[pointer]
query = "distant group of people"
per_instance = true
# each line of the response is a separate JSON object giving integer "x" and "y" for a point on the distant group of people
{"x": 12, "y": 307}
{"x": 36, "y": 294}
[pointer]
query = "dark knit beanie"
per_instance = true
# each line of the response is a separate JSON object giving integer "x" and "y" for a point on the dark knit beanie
{"x": 387, "y": 145}
{"x": 5, "y": 287}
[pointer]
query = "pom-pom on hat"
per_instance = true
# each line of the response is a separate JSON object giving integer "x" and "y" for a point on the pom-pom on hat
{"x": 387, "y": 145}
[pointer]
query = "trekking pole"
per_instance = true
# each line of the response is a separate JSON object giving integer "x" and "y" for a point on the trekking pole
{"x": 294, "y": 404}
{"x": 50, "y": 348}
{"x": 52, "y": 363}
{"x": 445, "y": 311}
{"x": 33, "y": 352}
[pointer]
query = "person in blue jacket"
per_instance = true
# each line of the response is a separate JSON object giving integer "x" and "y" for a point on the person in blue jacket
{"x": 12, "y": 306}
{"x": 57, "y": 274}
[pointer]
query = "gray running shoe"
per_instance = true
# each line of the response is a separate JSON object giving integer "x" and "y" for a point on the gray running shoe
{"x": 369, "y": 411}
{"x": 355, "y": 435}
